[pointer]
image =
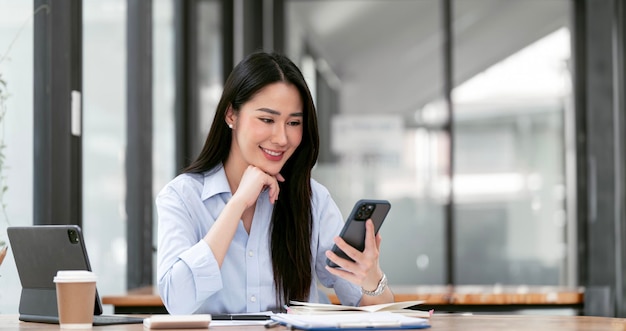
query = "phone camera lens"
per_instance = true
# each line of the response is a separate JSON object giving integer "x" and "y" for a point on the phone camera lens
{"x": 365, "y": 211}
{"x": 73, "y": 236}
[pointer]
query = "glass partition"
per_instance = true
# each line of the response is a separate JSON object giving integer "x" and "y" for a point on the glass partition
{"x": 16, "y": 134}
{"x": 104, "y": 141}
{"x": 509, "y": 175}
{"x": 372, "y": 66}
{"x": 209, "y": 55}
{"x": 376, "y": 68}
{"x": 163, "y": 140}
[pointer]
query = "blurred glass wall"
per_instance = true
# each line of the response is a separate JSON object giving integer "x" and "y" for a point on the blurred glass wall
{"x": 16, "y": 134}
{"x": 373, "y": 65}
{"x": 510, "y": 181}
{"x": 376, "y": 68}
{"x": 104, "y": 139}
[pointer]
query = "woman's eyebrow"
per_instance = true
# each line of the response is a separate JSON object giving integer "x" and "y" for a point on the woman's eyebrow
{"x": 277, "y": 113}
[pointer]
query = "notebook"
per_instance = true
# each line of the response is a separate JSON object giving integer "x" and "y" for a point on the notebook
{"x": 351, "y": 321}
{"x": 39, "y": 252}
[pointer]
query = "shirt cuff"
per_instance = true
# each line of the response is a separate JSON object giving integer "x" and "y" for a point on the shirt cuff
{"x": 204, "y": 269}
{"x": 349, "y": 294}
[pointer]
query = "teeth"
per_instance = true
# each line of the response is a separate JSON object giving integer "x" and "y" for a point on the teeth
{"x": 272, "y": 153}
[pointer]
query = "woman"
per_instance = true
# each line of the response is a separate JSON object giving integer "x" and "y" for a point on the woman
{"x": 245, "y": 228}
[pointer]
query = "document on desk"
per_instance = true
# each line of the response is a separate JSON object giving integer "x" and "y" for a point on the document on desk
{"x": 352, "y": 321}
{"x": 400, "y": 307}
{"x": 238, "y": 323}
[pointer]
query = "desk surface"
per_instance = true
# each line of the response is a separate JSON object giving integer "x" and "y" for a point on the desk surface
{"x": 438, "y": 322}
{"x": 431, "y": 295}
{"x": 487, "y": 295}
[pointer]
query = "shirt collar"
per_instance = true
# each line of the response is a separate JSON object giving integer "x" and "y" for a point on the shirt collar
{"x": 215, "y": 182}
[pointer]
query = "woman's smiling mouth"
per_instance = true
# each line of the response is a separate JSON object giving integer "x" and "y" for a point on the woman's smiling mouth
{"x": 272, "y": 155}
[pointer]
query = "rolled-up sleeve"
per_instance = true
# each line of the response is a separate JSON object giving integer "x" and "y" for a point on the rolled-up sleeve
{"x": 187, "y": 271}
{"x": 328, "y": 222}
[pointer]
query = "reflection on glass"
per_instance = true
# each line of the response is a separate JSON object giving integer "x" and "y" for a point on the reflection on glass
{"x": 376, "y": 63}
{"x": 209, "y": 57}
{"x": 509, "y": 181}
{"x": 163, "y": 102}
{"x": 378, "y": 82}
{"x": 104, "y": 141}
{"x": 16, "y": 69}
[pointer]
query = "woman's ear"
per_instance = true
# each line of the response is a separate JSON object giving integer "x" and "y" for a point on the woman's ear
{"x": 230, "y": 115}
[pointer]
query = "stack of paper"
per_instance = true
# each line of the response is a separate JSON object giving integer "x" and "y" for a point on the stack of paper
{"x": 351, "y": 321}
{"x": 297, "y": 307}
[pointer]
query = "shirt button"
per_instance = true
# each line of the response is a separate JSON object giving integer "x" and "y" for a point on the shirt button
{"x": 250, "y": 254}
{"x": 253, "y": 298}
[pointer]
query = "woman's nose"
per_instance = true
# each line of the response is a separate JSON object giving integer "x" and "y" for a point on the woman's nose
{"x": 279, "y": 136}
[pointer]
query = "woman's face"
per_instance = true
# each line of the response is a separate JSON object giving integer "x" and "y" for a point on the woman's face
{"x": 268, "y": 128}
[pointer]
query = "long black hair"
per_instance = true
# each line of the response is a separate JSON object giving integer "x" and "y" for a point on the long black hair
{"x": 291, "y": 224}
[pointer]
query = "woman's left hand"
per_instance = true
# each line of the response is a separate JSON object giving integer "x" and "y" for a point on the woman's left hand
{"x": 365, "y": 270}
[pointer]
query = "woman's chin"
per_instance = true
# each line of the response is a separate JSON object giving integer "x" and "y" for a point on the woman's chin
{"x": 272, "y": 171}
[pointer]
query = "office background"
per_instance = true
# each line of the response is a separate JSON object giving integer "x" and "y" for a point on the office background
{"x": 494, "y": 127}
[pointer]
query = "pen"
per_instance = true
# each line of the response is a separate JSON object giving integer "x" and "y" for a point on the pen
{"x": 239, "y": 317}
{"x": 272, "y": 324}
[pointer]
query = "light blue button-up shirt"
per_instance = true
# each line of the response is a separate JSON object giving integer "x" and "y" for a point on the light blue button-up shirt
{"x": 189, "y": 278}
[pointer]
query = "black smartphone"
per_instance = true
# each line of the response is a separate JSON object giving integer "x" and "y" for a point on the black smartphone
{"x": 353, "y": 231}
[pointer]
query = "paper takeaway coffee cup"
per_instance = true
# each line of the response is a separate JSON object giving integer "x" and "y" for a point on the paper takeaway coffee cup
{"x": 76, "y": 294}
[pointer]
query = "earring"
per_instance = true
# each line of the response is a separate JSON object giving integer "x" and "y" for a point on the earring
{"x": 230, "y": 126}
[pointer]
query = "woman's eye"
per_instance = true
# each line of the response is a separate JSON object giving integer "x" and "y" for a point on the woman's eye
{"x": 295, "y": 123}
{"x": 267, "y": 120}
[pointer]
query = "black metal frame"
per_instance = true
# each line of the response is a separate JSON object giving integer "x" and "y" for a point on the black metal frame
{"x": 599, "y": 98}
{"x": 186, "y": 104}
{"x": 448, "y": 86}
{"x": 580, "y": 118}
{"x": 139, "y": 198}
{"x": 57, "y": 182}
{"x": 619, "y": 113}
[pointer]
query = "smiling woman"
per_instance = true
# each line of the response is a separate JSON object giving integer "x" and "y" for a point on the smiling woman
{"x": 266, "y": 137}
{"x": 252, "y": 181}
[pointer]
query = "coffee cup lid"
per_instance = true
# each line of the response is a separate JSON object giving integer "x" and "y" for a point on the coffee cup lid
{"x": 71, "y": 276}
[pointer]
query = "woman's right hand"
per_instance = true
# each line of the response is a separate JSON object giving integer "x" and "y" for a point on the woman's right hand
{"x": 253, "y": 182}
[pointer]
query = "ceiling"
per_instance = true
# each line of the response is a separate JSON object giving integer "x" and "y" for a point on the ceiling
{"x": 387, "y": 54}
